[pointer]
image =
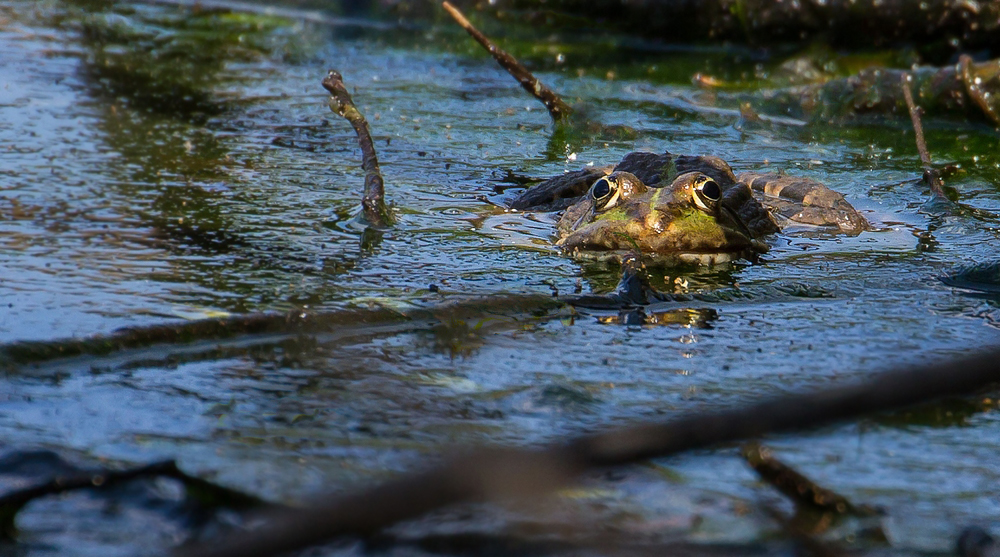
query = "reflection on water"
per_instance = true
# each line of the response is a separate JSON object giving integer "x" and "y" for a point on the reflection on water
{"x": 156, "y": 164}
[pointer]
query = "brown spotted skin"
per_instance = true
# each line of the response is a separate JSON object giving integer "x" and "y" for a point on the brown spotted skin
{"x": 740, "y": 199}
{"x": 654, "y": 170}
{"x": 624, "y": 185}
{"x": 559, "y": 192}
{"x": 806, "y": 201}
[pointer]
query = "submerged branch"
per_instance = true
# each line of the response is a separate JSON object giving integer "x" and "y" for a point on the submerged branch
{"x": 208, "y": 334}
{"x": 373, "y": 200}
{"x": 501, "y": 474}
{"x": 931, "y": 175}
{"x": 12, "y": 502}
{"x": 557, "y": 108}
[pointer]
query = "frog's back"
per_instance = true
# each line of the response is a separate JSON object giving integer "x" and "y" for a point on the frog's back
{"x": 806, "y": 201}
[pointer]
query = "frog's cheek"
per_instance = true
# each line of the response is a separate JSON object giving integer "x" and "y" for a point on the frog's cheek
{"x": 595, "y": 236}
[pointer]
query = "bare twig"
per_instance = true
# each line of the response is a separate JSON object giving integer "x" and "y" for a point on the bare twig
{"x": 493, "y": 474}
{"x": 373, "y": 201}
{"x": 557, "y": 108}
{"x": 931, "y": 175}
{"x": 800, "y": 489}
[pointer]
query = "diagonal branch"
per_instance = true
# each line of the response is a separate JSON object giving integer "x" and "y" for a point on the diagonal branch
{"x": 557, "y": 108}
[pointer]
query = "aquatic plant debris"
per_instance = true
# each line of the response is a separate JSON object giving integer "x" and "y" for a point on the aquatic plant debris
{"x": 270, "y": 327}
{"x": 373, "y": 204}
{"x": 967, "y": 90}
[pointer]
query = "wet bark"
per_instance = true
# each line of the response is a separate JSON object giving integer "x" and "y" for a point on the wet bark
{"x": 373, "y": 200}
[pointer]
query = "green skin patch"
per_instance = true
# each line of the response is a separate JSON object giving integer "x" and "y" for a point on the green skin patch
{"x": 700, "y": 225}
{"x": 616, "y": 214}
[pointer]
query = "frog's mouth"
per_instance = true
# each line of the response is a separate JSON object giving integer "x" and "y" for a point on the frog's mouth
{"x": 706, "y": 258}
{"x": 747, "y": 247}
{"x": 715, "y": 258}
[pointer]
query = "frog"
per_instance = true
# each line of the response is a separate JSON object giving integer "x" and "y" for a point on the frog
{"x": 676, "y": 209}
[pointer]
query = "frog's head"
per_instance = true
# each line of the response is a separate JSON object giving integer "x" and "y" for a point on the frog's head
{"x": 691, "y": 220}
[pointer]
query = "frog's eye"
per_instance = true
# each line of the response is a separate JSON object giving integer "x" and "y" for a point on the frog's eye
{"x": 707, "y": 193}
{"x": 601, "y": 189}
{"x": 711, "y": 190}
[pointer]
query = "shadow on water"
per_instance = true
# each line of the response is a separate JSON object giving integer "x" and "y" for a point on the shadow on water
{"x": 159, "y": 78}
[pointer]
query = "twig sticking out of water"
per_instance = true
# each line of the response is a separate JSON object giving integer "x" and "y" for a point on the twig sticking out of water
{"x": 373, "y": 201}
{"x": 557, "y": 108}
{"x": 804, "y": 492}
{"x": 931, "y": 175}
{"x": 502, "y": 474}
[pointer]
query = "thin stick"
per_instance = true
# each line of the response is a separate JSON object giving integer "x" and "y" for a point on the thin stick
{"x": 373, "y": 200}
{"x": 931, "y": 176}
{"x": 557, "y": 108}
{"x": 800, "y": 489}
{"x": 498, "y": 474}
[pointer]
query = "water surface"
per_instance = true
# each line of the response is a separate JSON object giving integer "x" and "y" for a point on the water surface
{"x": 136, "y": 190}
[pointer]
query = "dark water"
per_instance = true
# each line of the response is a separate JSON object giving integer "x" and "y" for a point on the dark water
{"x": 139, "y": 187}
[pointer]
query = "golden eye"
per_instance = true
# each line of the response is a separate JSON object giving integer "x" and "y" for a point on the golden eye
{"x": 707, "y": 193}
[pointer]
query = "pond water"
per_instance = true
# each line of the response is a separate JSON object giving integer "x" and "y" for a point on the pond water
{"x": 140, "y": 186}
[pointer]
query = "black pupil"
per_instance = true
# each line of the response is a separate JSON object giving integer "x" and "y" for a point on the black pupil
{"x": 602, "y": 189}
{"x": 711, "y": 190}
